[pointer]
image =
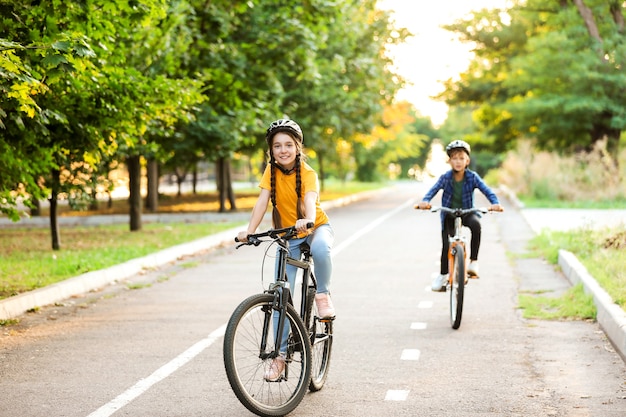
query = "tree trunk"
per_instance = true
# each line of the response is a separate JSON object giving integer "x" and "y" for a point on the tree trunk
{"x": 220, "y": 183}
{"x": 224, "y": 184}
{"x": 587, "y": 15}
{"x": 194, "y": 179}
{"x": 54, "y": 218}
{"x": 152, "y": 197}
{"x": 181, "y": 175}
{"x": 35, "y": 211}
{"x": 134, "y": 186}
{"x": 93, "y": 203}
{"x": 229, "y": 186}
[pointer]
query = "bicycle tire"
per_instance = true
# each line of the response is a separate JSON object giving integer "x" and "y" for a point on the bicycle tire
{"x": 246, "y": 365}
{"x": 321, "y": 334}
{"x": 457, "y": 287}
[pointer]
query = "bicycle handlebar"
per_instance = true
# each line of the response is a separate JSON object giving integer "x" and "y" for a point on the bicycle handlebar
{"x": 282, "y": 233}
{"x": 457, "y": 211}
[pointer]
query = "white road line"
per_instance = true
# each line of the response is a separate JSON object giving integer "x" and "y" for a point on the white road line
{"x": 369, "y": 227}
{"x": 425, "y": 304}
{"x": 418, "y": 325}
{"x": 410, "y": 355}
{"x": 396, "y": 395}
{"x": 169, "y": 368}
{"x": 160, "y": 374}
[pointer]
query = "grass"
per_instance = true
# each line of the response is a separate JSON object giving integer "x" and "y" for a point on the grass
{"x": 600, "y": 251}
{"x": 574, "y": 304}
{"x": 27, "y": 261}
{"x": 581, "y": 204}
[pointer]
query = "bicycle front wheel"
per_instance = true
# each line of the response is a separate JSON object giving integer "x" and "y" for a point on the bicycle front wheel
{"x": 246, "y": 359}
{"x": 321, "y": 333}
{"x": 457, "y": 288}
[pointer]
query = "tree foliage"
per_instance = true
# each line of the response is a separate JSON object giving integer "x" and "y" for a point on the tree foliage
{"x": 88, "y": 84}
{"x": 552, "y": 70}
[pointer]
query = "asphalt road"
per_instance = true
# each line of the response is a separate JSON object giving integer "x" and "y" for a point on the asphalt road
{"x": 156, "y": 349}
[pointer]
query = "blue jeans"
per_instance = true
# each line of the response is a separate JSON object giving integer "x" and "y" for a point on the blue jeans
{"x": 321, "y": 244}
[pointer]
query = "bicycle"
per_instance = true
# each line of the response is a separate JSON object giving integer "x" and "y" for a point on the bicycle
{"x": 457, "y": 261}
{"x": 265, "y": 324}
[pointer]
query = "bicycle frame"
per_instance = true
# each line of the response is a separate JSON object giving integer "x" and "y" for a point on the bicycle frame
{"x": 457, "y": 239}
{"x": 283, "y": 297}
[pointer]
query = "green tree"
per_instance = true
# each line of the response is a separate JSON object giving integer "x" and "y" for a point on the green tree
{"x": 109, "y": 101}
{"x": 549, "y": 70}
{"x": 354, "y": 80}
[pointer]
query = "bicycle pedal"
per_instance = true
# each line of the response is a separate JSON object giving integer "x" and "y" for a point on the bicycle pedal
{"x": 326, "y": 319}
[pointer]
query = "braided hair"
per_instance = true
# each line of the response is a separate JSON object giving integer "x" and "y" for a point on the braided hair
{"x": 292, "y": 129}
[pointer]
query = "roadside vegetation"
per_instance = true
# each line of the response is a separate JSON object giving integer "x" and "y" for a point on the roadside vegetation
{"x": 602, "y": 252}
{"x": 28, "y": 262}
{"x": 548, "y": 180}
{"x": 573, "y": 304}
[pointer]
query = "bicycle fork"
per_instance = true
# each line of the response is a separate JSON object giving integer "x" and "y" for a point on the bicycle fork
{"x": 277, "y": 314}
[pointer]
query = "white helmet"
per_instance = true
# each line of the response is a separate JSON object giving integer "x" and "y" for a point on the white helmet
{"x": 283, "y": 125}
{"x": 458, "y": 144}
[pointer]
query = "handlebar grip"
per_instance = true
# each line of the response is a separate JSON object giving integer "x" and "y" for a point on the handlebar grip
{"x": 236, "y": 239}
{"x": 310, "y": 225}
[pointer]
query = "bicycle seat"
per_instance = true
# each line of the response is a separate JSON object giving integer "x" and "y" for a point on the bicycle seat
{"x": 305, "y": 248}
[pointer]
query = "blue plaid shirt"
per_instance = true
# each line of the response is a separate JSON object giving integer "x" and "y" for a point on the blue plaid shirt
{"x": 471, "y": 181}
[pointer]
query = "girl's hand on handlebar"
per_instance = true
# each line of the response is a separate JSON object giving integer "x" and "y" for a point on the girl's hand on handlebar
{"x": 496, "y": 207}
{"x": 302, "y": 225}
{"x": 423, "y": 205}
{"x": 242, "y": 236}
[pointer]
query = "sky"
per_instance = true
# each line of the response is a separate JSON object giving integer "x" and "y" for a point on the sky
{"x": 432, "y": 55}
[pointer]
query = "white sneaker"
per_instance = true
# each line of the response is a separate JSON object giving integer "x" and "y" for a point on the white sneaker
{"x": 439, "y": 283}
{"x": 472, "y": 269}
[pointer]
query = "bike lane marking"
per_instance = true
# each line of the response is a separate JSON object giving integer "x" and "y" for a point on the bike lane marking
{"x": 163, "y": 372}
{"x": 368, "y": 228}
{"x": 396, "y": 395}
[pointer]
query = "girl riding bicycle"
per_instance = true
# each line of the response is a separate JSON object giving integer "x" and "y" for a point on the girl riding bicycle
{"x": 293, "y": 188}
{"x": 458, "y": 187}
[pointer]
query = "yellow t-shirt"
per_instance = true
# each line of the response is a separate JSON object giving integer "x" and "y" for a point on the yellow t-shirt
{"x": 286, "y": 198}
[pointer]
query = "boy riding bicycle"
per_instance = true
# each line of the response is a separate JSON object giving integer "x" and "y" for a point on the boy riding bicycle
{"x": 458, "y": 185}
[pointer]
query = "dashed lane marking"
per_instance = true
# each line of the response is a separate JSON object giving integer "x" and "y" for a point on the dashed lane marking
{"x": 396, "y": 395}
{"x": 410, "y": 355}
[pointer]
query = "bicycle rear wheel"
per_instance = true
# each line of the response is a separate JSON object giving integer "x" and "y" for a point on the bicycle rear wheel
{"x": 246, "y": 362}
{"x": 321, "y": 333}
{"x": 457, "y": 288}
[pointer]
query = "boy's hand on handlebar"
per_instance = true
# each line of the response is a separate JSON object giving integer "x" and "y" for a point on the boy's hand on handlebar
{"x": 496, "y": 207}
{"x": 423, "y": 205}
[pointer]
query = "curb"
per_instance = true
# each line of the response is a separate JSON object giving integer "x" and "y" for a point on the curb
{"x": 611, "y": 316}
{"x": 19, "y": 304}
